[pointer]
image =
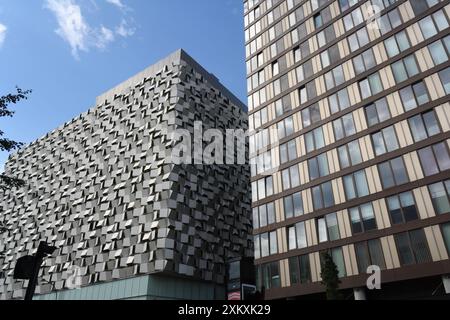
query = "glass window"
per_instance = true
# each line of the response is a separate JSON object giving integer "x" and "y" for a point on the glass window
{"x": 412, "y": 247}
{"x": 440, "y": 196}
{"x": 274, "y": 275}
{"x": 332, "y": 226}
{"x": 414, "y": 95}
{"x": 344, "y": 158}
{"x": 424, "y": 125}
{"x": 255, "y": 215}
{"x": 325, "y": 58}
{"x": 376, "y": 253}
{"x": 358, "y": 39}
{"x": 370, "y": 86}
{"x": 300, "y": 73}
{"x": 338, "y": 75}
{"x": 262, "y": 216}
{"x": 279, "y": 108}
{"x": 346, "y": 4}
{"x": 264, "y": 244}
{"x": 263, "y": 163}
{"x": 317, "y": 197}
{"x": 369, "y": 253}
{"x": 419, "y": 6}
{"x": 318, "y": 167}
{"x": 294, "y": 270}
{"x": 305, "y": 269}
{"x": 402, "y": 208}
{"x": 303, "y": 94}
{"x": 404, "y": 249}
{"x": 420, "y": 93}
{"x": 298, "y": 204}
{"x": 391, "y": 47}
{"x": 393, "y": 173}
{"x": 322, "y": 230}
{"x": 375, "y": 83}
{"x": 444, "y": 75}
{"x": 275, "y": 68}
{"x": 321, "y": 39}
{"x": 385, "y": 141}
{"x": 318, "y": 20}
{"x": 291, "y": 178}
{"x": 297, "y": 54}
{"x": 440, "y": 20}
{"x": 399, "y": 71}
{"x": 300, "y": 270}
{"x": 297, "y": 236}
{"x": 434, "y": 159}
{"x": 301, "y": 235}
{"x": 365, "y": 88}
{"x": 323, "y": 196}
{"x": 288, "y": 207}
{"x": 411, "y": 65}
{"x": 354, "y": 152}
{"x": 270, "y": 213}
{"x": 389, "y": 21}
{"x": 257, "y": 247}
{"x": 285, "y": 127}
{"x": 355, "y": 185}
{"x": 405, "y": 68}
{"x": 344, "y": 127}
{"x": 273, "y": 243}
{"x": 311, "y": 115}
{"x": 446, "y": 235}
{"x": 438, "y": 52}
{"x": 427, "y": 27}
{"x": 288, "y": 151}
{"x": 377, "y": 112}
{"x": 399, "y": 171}
{"x": 362, "y": 256}
{"x": 338, "y": 259}
{"x": 328, "y": 229}
{"x": 314, "y": 139}
{"x": 396, "y": 44}
{"x": 293, "y": 205}
{"x": 350, "y": 154}
{"x": 339, "y": 101}
{"x": 362, "y": 218}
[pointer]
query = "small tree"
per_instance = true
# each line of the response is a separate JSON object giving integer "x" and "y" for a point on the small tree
{"x": 7, "y": 182}
{"x": 330, "y": 277}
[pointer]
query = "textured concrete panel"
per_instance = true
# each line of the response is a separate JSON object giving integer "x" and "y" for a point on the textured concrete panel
{"x": 102, "y": 190}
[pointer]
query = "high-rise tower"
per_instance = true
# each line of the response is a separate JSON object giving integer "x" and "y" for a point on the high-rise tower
{"x": 349, "y": 104}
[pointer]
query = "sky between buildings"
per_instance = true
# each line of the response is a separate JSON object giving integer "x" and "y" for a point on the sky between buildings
{"x": 70, "y": 51}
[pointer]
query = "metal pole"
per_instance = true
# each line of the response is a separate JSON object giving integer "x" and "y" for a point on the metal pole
{"x": 33, "y": 281}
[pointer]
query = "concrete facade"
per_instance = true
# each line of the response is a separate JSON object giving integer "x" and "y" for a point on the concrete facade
{"x": 101, "y": 188}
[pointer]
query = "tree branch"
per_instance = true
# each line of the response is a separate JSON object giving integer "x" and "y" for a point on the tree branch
{"x": 7, "y": 182}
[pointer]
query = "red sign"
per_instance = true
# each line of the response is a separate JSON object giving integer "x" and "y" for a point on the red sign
{"x": 234, "y": 295}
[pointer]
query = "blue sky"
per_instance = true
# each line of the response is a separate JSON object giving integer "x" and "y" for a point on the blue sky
{"x": 70, "y": 51}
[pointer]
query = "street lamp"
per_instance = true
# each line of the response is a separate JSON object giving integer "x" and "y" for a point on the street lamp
{"x": 27, "y": 267}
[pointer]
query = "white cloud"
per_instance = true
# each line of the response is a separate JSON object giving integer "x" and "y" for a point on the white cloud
{"x": 73, "y": 28}
{"x": 72, "y": 25}
{"x": 124, "y": 30}
{"x": 117, "y": 3}
{"x": 104, "y": 37}
{"x": 2, "y": 34}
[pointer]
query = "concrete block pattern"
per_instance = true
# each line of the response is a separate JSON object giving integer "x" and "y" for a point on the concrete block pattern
{"x": 102, "y": 190}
